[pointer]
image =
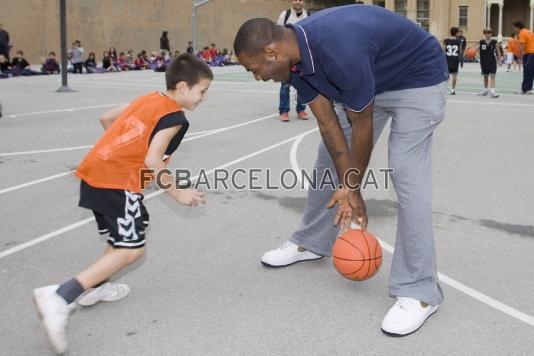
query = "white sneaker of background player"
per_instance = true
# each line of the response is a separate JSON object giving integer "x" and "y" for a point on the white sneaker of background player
{"x": 107, "y": 292}
{"x": 54, "y": 314}
{"x": 286, "y": 255}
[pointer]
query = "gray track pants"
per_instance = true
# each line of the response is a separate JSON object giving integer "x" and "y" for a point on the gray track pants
{"x": 414, "y": 113}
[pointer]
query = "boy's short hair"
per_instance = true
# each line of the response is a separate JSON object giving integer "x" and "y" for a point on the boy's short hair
{"x": 186, "y": 68}
{"x": 52, "y": 54}
{"x": 19, "y": 52}
{"x": 519, "y": 24}
{"x": 454, "y": 31}
{"x": 487, "y": 30}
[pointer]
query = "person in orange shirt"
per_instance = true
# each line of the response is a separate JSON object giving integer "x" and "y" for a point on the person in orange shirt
{"x": 512, "y": 53}
{"x": 214, "y": 52}
{"x": 526, "y": 51}
{"x": 138, "y": 141}
{"x": 206, "y": 55}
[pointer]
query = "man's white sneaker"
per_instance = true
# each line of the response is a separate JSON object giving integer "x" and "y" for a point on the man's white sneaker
{"x": 54, "y": 313}
{"x": 286, "y": 255}
{"x": 406, "y": 316}
{"x": 494, "y": 95}
{"x": 483, "y": 93}
{"x": 107, "y": 292}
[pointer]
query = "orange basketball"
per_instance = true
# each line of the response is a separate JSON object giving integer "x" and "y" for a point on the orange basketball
{"x": 357, "y": 255}
{"x": 470, "y": 53}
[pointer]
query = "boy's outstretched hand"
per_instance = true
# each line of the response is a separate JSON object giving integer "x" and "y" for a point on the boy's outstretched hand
{"x": 188, "y": 197}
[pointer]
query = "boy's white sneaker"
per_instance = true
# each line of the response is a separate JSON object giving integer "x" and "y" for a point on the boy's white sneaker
{"x": 286, "y": 255}
{"x": 483, "y": 93}
{"x": 107, "y": 292}
{"x": 54, "y": 313}
{"x": 406, "y": 316}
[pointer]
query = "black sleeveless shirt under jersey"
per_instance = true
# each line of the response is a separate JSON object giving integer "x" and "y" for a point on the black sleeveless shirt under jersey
{"x": 488, "y": 52}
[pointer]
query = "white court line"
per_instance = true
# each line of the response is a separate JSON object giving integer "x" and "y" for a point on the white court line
{"x": 24, "y": 185}
{"x": 443, "y": 278}
{"x": 293, "y": 158}
{"x": 77, "y": 224}
{"x": 140, "y": 84}
{"x": 45, "y": 151}
{"x": 209, "y": 133}
{"x": 481, "y": 297}
{"x": 215, "y": 131}
{"x": 82, "y": 147}
{"x": 13, "y": 116}
{"x": 488, "y": 103}
{"x": 500, "y": 129}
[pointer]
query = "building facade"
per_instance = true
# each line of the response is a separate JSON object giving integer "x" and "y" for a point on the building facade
{"x": 472, "y": 16}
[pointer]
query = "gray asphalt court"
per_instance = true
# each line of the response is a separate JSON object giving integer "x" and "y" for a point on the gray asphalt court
{"x": 201, "y": 289}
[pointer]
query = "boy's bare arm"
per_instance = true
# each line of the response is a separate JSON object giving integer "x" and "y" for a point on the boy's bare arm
{"x": 110, "y": 116}
{"x": 154, "y": 161}
{"x": 156, "y": 151}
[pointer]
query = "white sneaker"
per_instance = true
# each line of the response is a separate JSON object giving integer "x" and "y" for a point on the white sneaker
{"x": 483, "y": 93}
{"x": 107, "y": 292}
{"x": 494, "y": 95}
{"x": 286, "y": 255}
{"x": 54, "y": 313}
{"x": 406, "y": 316}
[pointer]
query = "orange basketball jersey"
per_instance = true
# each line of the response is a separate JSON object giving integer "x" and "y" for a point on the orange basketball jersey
{"x": 117, "y": 159}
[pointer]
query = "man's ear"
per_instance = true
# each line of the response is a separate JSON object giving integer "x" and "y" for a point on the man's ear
{"x": 271, "y": 51}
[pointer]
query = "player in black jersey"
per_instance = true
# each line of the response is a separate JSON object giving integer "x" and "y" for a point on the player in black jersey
{"x": 489, "y": 54}
{"x": 463, "y": 45}
{"x": 453, "y": 46}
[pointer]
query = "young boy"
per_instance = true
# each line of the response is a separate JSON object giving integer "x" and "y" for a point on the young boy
{"x": 140, "y": 136}
{"x": 452, "y": 52}
{"x": 489, "y": 54}
{"x": 19, "y": 63}
{"x": 50, "y": 65}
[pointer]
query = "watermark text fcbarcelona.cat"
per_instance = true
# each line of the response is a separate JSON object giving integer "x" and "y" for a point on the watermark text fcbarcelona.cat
{"x": 264, "y": 179}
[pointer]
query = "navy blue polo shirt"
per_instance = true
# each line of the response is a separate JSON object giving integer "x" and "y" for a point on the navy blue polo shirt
{"x": 351, "y": 53}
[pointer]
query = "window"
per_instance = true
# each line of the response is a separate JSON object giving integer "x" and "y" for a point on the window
{"x": 381, "y": 3}
{"x": 462, "y": 20}
{"x": 423, "y": 13}
{"x": 401, "y": 7}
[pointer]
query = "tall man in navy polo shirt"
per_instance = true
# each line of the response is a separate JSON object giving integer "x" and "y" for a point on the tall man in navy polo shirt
{"x": 357, "y": 66}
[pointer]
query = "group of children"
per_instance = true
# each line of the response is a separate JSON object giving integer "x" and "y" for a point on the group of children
{"x": 490, "y": 55}
{"x": 111, "y": 61}
{"x": 19, "y": 66}
{"x": 213, "y": 57}
{"x": 489, "y": 52}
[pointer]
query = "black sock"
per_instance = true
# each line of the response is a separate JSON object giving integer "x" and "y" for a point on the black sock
{"x": 70, "y": 290}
